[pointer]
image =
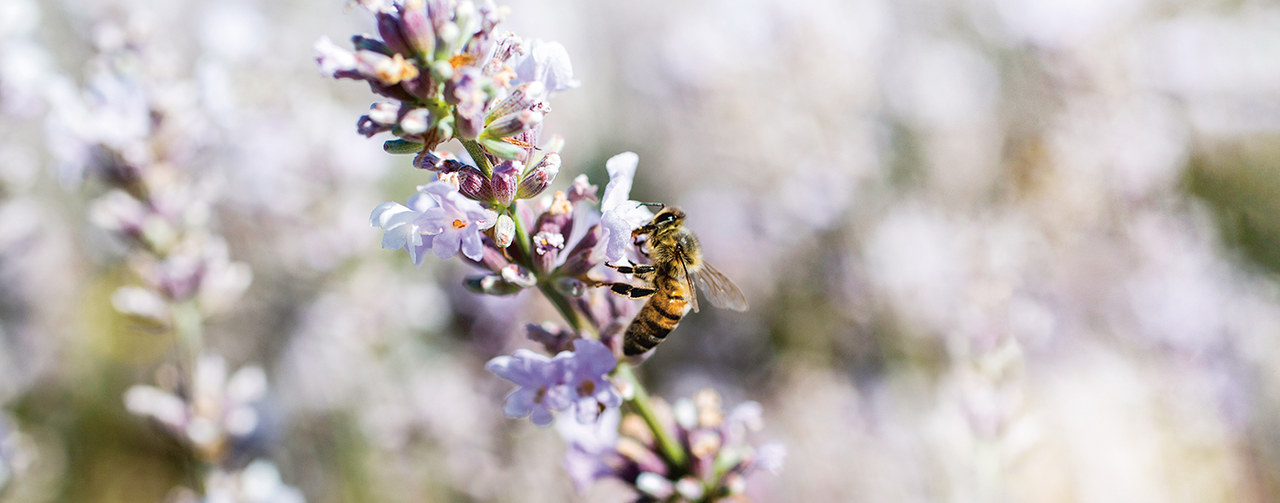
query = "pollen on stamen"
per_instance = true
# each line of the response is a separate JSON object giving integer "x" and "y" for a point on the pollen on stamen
{"x": 459, "y": 224}
{"x": 560, "y": 204}
{"x": 519, "y": 143}
{"x": 461, "y": 60}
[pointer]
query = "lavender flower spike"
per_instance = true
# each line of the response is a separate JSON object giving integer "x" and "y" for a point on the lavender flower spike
{"x": 620, "y": 214}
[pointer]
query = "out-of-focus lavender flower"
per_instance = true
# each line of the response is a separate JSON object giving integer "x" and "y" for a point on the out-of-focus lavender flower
{"x": 15, "y": 455}
{"x": 620, "y": 214}
{"x": 573, "y": 378}
{"x": 720, "y": 454}
{"x": 541, "y": 382}
{"x": 259, "y": 482}
{"x": 218, "y": 411}
{"x": 590, "y": 454}
{"x": 438, "y": 218}
{"x": 588, "y": 364}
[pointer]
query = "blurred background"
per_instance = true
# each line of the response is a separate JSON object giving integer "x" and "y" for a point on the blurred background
{"x": 996, "y": 250}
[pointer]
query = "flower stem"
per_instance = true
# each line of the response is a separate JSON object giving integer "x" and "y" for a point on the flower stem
{"x": 671, "y": 449}
{"x": 188, "y": 329}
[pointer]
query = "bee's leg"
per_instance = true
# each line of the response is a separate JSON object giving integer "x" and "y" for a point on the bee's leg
{"x": 637, "y": 270}
{"x": 631, "y": 291}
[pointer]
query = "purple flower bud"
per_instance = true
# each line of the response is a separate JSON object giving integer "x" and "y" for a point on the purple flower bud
{"x": 539, "y": 177}
{"x": 416, "y": 121}
{"x": 453, "y": 166}
{"x": 473, "y": 184}
{"x": 417, "y": 27}
{"x": 504, "y": 183}
{"x": 583, "y": 190}
{"x": 364, "y": 43}
{"x": 369, "y": 127}
{"x": 504, "y": 231}
{"x": 442, "y": 71}
{"x": 141, "y": 303}
{"x": 428, "y": 160}
{"x": 581, "y": 258}
{"x": 551, "y": 336}
{"x": 384, "y": 113}
{"x": 389, "y": 29}
{"x": 513, "y": 124}
{"x": 119, "y": 212}
{"x": 525, "y": 97}
{"x": 690, "y": 488}
{"x": 491, "y": 284}
{"x": 518, "y": 276}
{"x": 334, "y": 61}
{"x": 383, "y": 69}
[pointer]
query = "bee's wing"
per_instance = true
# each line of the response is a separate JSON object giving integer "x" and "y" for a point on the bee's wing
{"x": 720, "y": 290}
{"x": 688, "y": 281}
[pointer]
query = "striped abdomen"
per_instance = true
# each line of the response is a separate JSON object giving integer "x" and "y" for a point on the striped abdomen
{"x": 659, "y": 316}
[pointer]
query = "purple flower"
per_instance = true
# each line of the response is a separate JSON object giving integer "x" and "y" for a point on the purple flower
{"x": 541, "y": 385}
{"x": 545, "y": 62}
{"x": 620, "y": 214}
{"x": 571, "y": 379}
{"x": 587, "y": 367}
{"x": 438, "y": 218}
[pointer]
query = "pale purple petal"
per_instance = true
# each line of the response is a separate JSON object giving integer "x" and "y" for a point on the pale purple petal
{"x": 519, "y": 403}
{"x": 333, "y": 59}
{"x": 593, "y": 357}
{"x": 622, "y": 169}
{"x": 541, "y": 416}
{"x": 616, "y": 236}
{"x": 399, "y": 237}
{"x": 586, "y": 409}
{"x": 608, "y": 396}
{"x": 381, "y": 215}
{"x": 420, "y": 202}
{"x": 472, "y": 246}
{"x": 771, "y": 457}
{"x": 548, "y": 63}
{"x": 439, "y": 190}
{"x": 434, "y": 221}
{"x": 446, "y": 243}
{"x": 506, "y": 367}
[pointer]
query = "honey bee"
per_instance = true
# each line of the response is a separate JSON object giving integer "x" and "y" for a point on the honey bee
{"x": 676, "y": 265}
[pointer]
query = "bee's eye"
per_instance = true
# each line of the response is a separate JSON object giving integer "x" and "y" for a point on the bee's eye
{"x": 664, "y": 218}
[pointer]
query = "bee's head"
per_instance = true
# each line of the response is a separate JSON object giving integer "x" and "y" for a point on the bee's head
{"x": 667, "y": 217}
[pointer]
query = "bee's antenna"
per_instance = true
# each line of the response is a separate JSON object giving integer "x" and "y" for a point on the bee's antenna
{"x": 659, "y": 205}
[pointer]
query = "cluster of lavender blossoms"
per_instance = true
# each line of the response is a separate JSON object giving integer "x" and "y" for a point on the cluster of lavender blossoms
{"x": 138, "y": 134}
{"x": 449, "y": 75}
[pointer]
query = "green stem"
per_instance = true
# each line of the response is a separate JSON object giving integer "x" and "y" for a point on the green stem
{"x": 188, "y": 329}
{"x": 671, "y": 449}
